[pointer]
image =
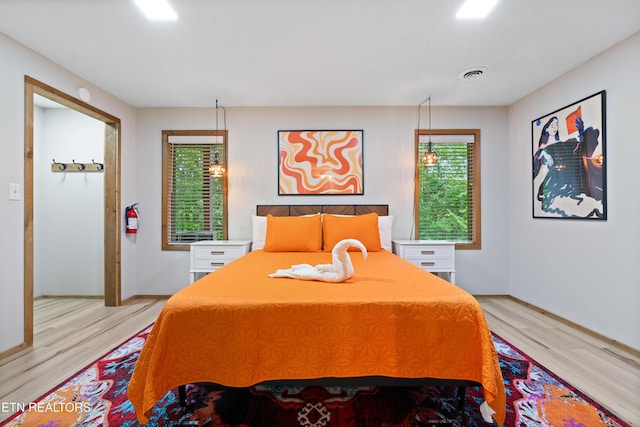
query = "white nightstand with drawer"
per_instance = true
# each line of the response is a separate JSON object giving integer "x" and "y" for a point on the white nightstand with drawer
{"x": 436, "y": 256}
{"x": 209, "y": 255}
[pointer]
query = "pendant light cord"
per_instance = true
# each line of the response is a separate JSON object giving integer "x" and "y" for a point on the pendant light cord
{"x": 413, "y": 222}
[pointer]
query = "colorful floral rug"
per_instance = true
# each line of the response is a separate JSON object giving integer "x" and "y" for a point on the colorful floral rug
{"x": 96, "y": 396}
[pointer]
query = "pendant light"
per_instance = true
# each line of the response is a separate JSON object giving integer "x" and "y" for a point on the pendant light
{"x": 430, "y": 158}
{"x": 216, "y": 169}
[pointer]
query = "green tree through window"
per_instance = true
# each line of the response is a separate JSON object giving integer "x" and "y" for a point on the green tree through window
{"x": 447, "y": 194}
{"x": 194, "y": 202}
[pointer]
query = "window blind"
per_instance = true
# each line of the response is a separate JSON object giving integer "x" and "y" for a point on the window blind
{"x": 196, "y": 200}
{"x": 446, "y": 193}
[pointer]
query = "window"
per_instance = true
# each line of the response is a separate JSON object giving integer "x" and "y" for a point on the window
{"x": 194, "y": 203}
{"x": 447, "y": 195}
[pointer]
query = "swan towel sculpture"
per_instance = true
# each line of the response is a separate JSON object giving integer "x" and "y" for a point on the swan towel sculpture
{"x": 340, "y": 270}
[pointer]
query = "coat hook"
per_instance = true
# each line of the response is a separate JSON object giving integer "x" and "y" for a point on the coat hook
{"x": 80, "y": 166}
{"x": 99, "y": 166}
{"x": 61, "y": 166}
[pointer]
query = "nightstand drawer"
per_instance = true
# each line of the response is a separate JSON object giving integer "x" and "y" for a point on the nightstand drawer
{"x": 427, "y": 252}
{"x": 210, "y": 263}
{"x": 218, "y": 252}
{"x": 436, "y": 264}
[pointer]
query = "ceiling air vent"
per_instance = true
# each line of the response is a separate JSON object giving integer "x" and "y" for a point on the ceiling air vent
{"x": 473, "y": 73}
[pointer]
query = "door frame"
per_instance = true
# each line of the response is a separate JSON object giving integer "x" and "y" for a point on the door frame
{"x": 112, "y": 271}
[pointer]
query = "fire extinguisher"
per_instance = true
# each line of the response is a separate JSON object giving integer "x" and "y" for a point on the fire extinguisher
{"x": 131, "y": 217}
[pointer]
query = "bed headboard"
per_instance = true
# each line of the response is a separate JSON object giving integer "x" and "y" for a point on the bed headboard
{"x": 295, "y": 210}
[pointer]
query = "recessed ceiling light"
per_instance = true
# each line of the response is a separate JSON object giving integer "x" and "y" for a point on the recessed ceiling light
{"x": 157, "y": 10}
{"x": 475, "y": 9}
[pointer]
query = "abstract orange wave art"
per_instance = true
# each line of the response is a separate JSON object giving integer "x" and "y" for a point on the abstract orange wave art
{"x": 320, "y": 162}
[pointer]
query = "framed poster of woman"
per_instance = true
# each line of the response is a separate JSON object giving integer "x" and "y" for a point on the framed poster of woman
{"x": 569, "y": 161}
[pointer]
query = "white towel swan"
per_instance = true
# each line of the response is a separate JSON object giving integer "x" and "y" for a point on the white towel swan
{"x": 340, "y": 270}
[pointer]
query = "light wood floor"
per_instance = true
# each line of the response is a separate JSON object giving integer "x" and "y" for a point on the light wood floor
{"x": 72, "y": 333}
{"x": 603, "y": 371}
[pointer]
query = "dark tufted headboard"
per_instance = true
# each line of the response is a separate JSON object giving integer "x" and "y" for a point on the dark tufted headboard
{"x": 295, "y": 210}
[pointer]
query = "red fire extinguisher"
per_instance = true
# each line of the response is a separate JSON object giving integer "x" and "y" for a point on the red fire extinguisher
{"x": 131, "y": 216}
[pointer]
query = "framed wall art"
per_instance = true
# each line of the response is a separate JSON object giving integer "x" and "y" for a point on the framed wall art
{"x": 569, "y": 161}
{"x": 317, "y": 162}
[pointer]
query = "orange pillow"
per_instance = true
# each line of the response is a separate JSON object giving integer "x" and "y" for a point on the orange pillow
{"x": 293, "y": 234}
{"x": 361, "y": 227}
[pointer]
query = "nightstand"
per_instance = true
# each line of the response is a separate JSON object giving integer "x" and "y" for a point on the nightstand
{"x": 209, "y": 255}
{"x": 435, "y": 256}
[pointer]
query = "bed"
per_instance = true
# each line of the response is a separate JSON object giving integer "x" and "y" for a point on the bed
{"x": 391, "y": 321}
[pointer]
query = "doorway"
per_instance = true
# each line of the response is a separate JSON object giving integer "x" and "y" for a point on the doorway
{"x": 111, "y": 173}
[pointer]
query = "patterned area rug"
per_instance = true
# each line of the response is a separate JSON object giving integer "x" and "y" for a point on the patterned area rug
{"x": 96, "y": 396}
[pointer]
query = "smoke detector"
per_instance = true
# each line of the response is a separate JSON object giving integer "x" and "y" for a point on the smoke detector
{"x": 473, "y": 73}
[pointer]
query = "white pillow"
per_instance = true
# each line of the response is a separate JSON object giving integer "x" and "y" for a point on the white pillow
{"x": 385, "y": 223}
{"x": 258, "y": 231}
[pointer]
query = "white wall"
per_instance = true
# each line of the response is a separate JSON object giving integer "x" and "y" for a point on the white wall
{"x": 388, "y": 178}
{"x": 68, "y": 216}
{"x": 585, "y": 271}
{"x": 18, "y": 61}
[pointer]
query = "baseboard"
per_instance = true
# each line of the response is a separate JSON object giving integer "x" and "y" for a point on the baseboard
{"x": 124, "y": 301}
{"x": 68, "y": 297}
{"x": 633, "y": 351}
{"x": 491, "y": 296}
{"x": 135, "y": 297}
{"x": 13, "y": 350}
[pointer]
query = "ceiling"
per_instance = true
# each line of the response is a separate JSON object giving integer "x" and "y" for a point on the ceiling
{"x": 318, "y": 52}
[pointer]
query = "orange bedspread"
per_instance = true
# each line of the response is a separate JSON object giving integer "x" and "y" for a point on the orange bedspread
{"x": 237, "y": 327}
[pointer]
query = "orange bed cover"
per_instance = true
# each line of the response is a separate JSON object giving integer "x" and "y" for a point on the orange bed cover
{"x": 237, "y": 327}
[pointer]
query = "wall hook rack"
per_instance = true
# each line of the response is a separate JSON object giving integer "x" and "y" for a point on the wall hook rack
{"x": 77, "y": 167}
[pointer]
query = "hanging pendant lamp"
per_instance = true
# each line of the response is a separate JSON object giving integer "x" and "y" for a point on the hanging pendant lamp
{"x": 430, "y": 158}
{"x": 216, "y": 169}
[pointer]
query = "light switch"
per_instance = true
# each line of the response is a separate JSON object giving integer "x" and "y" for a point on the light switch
{"x": 14, "y": 191}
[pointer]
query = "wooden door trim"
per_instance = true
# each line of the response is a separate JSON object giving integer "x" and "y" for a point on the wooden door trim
{"x": 112, "y": 224}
